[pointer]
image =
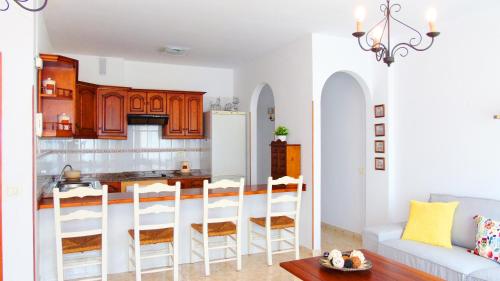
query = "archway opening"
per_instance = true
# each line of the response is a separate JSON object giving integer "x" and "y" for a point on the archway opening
{"x": 264, "y": 133}
{"x": 343, "y": 158}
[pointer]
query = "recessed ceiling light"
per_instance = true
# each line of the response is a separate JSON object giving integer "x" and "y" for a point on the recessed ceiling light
{"x": 174, "y": 50}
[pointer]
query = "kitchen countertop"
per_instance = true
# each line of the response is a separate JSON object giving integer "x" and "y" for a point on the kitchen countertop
{"x": 146, "y": 175}
{"x": 47, "y": 183}
{"x": 189, "y": 193}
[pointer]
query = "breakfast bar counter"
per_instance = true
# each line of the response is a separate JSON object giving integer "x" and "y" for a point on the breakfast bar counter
{"x": 188, "y": 193}
{"x": 120, "y": 220}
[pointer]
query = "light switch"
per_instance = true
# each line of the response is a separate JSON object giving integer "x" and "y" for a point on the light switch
{"x": 13, "y": 190}
{"x": 361, "y": 171}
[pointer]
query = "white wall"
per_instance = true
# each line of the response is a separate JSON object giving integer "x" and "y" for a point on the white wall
{"x": 217, "y": 82}
{"x": 288, "y": 72}
{"x": 265, "y": 134}
{"x": 42, "y": 38}
{"x": 445, "y": 99}
{"x": 343, "y": 153}
{"x": 17, "y": 47}
{"x": 332, "y": 55}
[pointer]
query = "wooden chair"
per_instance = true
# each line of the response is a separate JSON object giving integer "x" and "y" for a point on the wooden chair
{"x": 228, "y": 228}
{"x": 286, "y": 223}
{"x": 69, "y": 244}
{"x": 153, "y": 234}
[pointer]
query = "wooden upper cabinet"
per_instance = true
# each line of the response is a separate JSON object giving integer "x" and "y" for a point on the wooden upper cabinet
{"x": 157, "y": 103}
{"x": 137, "y": 102}
{"x": 194, "y": 115}
{"x": 175, "y": 111}
{"x": 112, "y": 113}
{"x": 142, "y": 102}
{"x": 85, "y": 111}
{"x": 185, "y": 112}
{"x": 56, "y": 99}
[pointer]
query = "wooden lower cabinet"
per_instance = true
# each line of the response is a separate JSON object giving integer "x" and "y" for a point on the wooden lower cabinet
{"x": 112, "y": 113}
{"x": 185, "y": 183}
{"x": 113, "y": 187}
{"x": 189, "y": 183}
{"x": 85, "y": 111}
{"x": 285, "y": 160}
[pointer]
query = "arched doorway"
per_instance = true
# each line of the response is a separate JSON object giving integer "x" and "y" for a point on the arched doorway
{"x": 264, "y": 133}
{"x": 343, "y": 159}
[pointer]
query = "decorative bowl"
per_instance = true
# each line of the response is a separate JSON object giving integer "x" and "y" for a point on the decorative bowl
{"x": 325, "y": 262}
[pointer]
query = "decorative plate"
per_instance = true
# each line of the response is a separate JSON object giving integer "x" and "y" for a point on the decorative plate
{"x": 365, "y": 266}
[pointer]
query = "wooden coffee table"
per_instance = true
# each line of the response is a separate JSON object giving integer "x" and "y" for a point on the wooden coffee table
{"x": 383, "y": 269}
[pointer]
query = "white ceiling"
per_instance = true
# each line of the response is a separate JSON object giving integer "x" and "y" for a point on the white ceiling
{"x": 221, "y": 33}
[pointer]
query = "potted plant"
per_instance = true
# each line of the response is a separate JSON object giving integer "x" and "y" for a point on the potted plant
{"x": 281, "y": 132}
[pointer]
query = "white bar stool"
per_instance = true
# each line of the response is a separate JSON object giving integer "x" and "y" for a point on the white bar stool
{"x": 151, "y": 234}
{"x": 227, "y": 227}
{"x": 69, "y": 244}
{"x": 286, "y": 223}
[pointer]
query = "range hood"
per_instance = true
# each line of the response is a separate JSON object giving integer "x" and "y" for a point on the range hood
{"x": 147, "y": 119}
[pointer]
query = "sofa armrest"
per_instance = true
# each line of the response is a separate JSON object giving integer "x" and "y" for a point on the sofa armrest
{"x": 372, "y": 236}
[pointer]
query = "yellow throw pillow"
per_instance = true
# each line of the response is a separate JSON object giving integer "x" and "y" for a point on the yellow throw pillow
{"x": 430, "y": 223}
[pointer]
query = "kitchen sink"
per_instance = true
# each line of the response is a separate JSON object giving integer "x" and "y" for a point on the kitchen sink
{"x": 65, "y": 186}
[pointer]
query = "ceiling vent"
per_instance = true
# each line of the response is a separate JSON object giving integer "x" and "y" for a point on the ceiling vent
{"x": 174, "y": 50}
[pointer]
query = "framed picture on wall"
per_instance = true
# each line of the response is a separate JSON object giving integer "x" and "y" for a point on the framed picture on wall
{"x": 380, "y": 164}
{"x": 380, "y": 130}
{"x": 379, "y": 111}
{"x": 379, "y": 146}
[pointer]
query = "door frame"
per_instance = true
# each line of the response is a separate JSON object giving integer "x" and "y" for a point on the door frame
{"x": 1, "y": 169}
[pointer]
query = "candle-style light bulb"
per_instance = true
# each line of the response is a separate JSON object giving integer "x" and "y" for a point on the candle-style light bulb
{"x": 360, "y": 15}
{"x": 376, "y": 35}
{"x": 431, "y": 19}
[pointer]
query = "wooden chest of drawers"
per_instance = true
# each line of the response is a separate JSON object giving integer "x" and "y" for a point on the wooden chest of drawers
{"x": 285, "y": 159}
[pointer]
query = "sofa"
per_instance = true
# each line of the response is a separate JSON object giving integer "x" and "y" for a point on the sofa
{"x": 455, "y": 264}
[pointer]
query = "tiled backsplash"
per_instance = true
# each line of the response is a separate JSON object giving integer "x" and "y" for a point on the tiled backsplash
{"x": 144, "y": 150}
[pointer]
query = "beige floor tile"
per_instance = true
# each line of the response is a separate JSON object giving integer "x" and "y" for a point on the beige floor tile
{"x": 254, "y": 266}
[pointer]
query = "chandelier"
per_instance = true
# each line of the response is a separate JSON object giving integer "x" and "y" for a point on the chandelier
{"x": 386, "y": 51}
{"x": 6, "y": 5}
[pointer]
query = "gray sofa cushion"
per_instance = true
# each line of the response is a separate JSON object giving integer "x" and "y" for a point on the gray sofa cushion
{"x": 463, "y": 233}
{"x": 451, "y": 264}
{"x": 492, "y": 274}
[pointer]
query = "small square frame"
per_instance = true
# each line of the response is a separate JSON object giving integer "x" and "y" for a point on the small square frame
{"x": 379, "y": 111}
{"x": 380, "y": 163}
{"x": 379, "y": 146}
{"x": 380, "y": 130}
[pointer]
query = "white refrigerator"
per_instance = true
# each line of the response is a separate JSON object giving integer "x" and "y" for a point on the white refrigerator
{"x": 224, "y": 151}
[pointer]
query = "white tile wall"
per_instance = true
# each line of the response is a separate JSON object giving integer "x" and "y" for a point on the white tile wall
{"x": 144, "y": 150}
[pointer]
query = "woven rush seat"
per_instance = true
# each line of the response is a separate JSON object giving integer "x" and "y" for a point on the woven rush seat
{"x": 280, "y": 222}
{"x": 154, "y": 236}
{"x": 81, "y": 244}
{"x": 216, "y": 228}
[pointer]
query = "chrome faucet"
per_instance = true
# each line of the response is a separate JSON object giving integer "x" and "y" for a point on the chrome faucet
{"x": 62, "y": 171}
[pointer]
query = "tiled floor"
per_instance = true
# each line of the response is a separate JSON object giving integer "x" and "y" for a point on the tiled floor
{"x": 334, "y": 239}
{"x": 254, "y": 266}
